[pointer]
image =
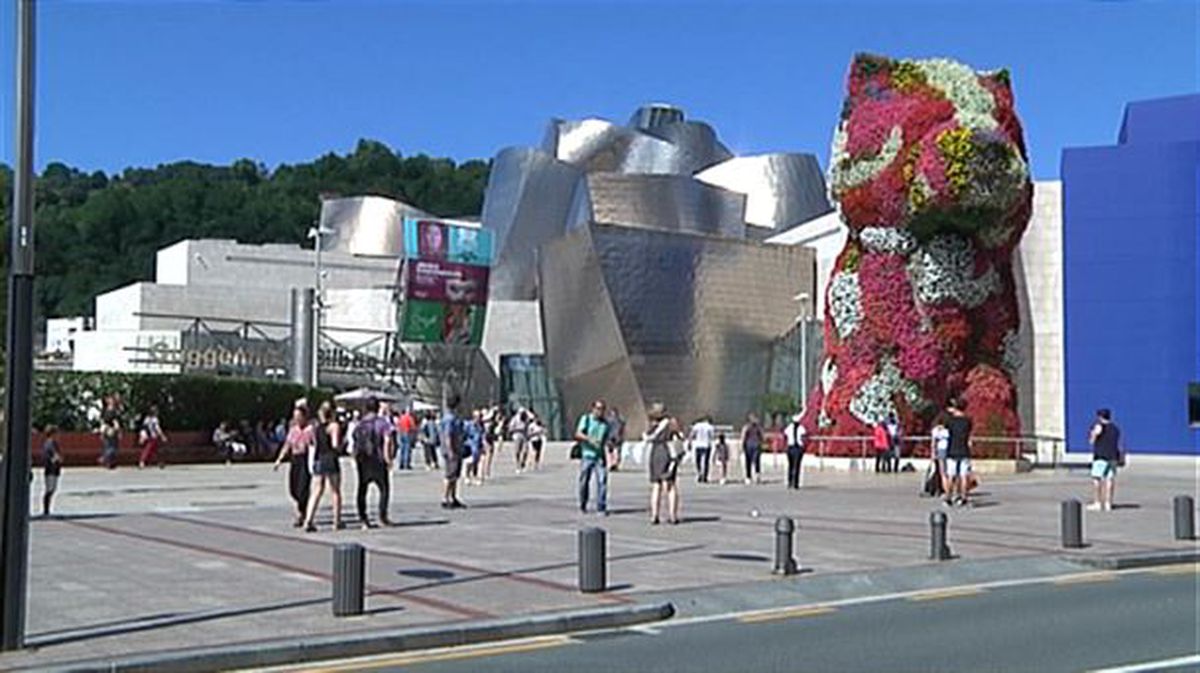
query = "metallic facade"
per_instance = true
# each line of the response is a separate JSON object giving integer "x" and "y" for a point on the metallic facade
{"x": 637, "y": 315}
{"x": 366, "y": 225}
{"x": 639, "y": 241}
{"x": 782, "y": 190}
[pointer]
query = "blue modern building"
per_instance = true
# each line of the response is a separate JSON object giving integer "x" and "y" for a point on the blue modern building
{"x": 1131, "y": 289}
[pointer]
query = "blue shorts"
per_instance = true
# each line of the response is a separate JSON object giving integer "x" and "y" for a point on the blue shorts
{"x": 1104, "y": 469}
{"x": 958, "y": 467}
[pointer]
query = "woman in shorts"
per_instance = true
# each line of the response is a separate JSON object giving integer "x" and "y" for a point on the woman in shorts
{"x": 323, "y": 461}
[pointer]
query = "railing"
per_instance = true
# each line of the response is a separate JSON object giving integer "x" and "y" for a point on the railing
{"x": 1028, "y": 447}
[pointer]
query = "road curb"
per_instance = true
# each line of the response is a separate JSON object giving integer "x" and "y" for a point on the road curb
{"x": 1137, "y": 560}
{"x": 340, "y": 646}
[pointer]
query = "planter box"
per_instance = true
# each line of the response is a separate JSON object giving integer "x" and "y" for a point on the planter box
{"x": 82, "y": 449}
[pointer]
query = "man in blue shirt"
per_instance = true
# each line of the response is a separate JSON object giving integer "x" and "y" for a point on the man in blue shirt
{"x": 592, "y": 434}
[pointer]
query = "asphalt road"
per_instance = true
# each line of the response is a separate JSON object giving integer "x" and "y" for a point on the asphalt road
{"x": 1084, "y": 623}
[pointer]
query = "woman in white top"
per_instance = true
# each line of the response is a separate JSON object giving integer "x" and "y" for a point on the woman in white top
{"x": 939, "y": 445}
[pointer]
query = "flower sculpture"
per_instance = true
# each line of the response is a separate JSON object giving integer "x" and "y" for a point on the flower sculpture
{"x": 929, "y": 170}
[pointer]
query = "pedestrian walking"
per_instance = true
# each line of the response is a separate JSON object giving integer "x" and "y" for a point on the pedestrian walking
{"x": 701, "y": 440}
{"x": 454, "y": 447}
{"x": 429, "y": 441}
{"x": 324, "y": 464}
{"x": 474, "y": 431}
{"x": 518, "y": 428}
{"x": 721, "y": 455}
{"x": 664, "y": 464}
{"x": 151, "y": 437}
{"x": 406, "y": 427}
{"x": 373, "y": 457}
{"x": 752, "y": 442}
{"x": 537, "y": 439}
{"x": 295, "y": 449}
{"x": 936, "y": 482}
{"x": 52, "y": 463}
{"x": 1105, "y": 438}
{"x": 958, "y": 454}
{"x": 879, "y": 442}
{"x": 793, "y": 435}
{"x": 895, "y": 438}
{"x": 616, "y": 438}
{"x": 110, "y": 431}
{"x": 591, "y": 433}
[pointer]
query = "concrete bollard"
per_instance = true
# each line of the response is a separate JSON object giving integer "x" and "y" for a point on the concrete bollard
{"x": 1185, "y": 518}
{"x": 349, "y": 575}
{"x": 938, "y": 549}
{"x": 593, "y": 566}
{"x": 785, "y": 564}
{"x": 1072, "y": 524}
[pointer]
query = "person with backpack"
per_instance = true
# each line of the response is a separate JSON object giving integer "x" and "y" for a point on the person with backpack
{"x": 428, "y": 439}
{"x": 591, "y": 432}
{"x": 454, "y": 448}
{"x": 326, "y": 471}
{"x": 373, "y": 457}
{"x": 793, "y": 435}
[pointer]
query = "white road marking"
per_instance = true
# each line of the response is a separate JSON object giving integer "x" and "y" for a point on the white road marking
{"x": 1153, "y": 665}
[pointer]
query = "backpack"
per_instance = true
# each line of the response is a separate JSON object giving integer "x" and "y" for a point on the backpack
{"x": 367, "y": 441}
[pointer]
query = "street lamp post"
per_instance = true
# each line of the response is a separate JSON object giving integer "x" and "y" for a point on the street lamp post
{"x": 802, "y": 325}
{"x": 14, "y": 519}
{"x": 317, "y": 233}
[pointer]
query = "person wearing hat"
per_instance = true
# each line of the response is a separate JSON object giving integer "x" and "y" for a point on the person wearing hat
{"x": 793, "y": 434}
{"x": 664, "y": 465}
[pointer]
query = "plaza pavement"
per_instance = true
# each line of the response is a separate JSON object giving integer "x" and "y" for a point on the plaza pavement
{"x": 154, "y": 560}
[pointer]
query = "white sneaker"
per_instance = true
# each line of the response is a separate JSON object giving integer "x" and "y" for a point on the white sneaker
{"x": 1094, "y": 507}
{"x": 748, "y": 481}
{"x": 1108, "y": 507}
{"x": 722, "y": 482}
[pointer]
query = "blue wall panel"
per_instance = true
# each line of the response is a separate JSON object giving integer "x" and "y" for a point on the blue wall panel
{"x": 1131, "y": 213}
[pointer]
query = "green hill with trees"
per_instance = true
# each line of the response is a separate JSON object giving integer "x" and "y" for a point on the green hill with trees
{"x": 96, "y": 232}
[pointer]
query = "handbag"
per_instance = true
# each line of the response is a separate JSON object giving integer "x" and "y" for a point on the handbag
{"x": 577, "y": 451}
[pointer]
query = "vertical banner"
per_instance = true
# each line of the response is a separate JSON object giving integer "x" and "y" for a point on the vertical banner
{"x": 445, "y": 282}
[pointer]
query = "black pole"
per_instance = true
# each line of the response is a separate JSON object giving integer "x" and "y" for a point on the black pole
{"x": 14, "y": 538}
{"x": 1072, "y": 524}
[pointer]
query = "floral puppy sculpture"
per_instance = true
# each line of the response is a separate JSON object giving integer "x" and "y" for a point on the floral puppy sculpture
{"x": 929, "y": 169}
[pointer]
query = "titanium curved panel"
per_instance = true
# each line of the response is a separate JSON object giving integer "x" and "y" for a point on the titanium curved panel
{"x": 666, "y": 202}
{"x": 366, "y": 225}
{"x": 528, "y": 197}
{"x": 781, "y": 189}
{"x": 696, "y": 144}
{"x": 597, "y": 145}
{"x": 679, "y": 317}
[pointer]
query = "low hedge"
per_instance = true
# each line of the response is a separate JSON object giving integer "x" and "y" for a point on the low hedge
{"x": 73, "y": 400}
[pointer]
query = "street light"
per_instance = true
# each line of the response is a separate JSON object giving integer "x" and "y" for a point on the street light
{"x": 802, "y": 325}
{"x": 317, "y": 233}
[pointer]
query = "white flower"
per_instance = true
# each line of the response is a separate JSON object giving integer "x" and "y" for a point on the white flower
{"x": 888, "y": 240}
{"x": 828, "y": 375}
{"x": 944, "y": 269}
{"x": 845, "y": 172}
{"x": 873, "y": 402}
{"x": 974, "y": 105}
{"x": 1010, "y": 356}
{"x": 845, "y": 302}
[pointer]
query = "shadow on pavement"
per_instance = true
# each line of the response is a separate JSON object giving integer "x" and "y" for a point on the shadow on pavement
{"x": 750, "y": 558}
{"x": 159, "y": 621}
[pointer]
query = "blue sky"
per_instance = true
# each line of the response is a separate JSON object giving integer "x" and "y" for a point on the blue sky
{"x": 140, "y": 83}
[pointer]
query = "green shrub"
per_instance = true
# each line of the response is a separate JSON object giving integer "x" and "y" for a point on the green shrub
{"x": 72, "y": 400}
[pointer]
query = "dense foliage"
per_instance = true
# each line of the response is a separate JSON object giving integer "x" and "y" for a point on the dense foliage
{"x": 96, "y": 232}
{"x": 929, "y": 169}
{"x": 72, "y": 400}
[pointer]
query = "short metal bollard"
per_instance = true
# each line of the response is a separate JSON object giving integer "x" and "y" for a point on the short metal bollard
{"x": 593, "y": 565}
{"x": 349, "y": 574}
{"x": 1185, "y": 518}
{"x": 785, "y": 564}
{"x": 938, "y": 549}
{"x": 1072, "y": 524}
